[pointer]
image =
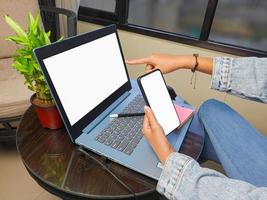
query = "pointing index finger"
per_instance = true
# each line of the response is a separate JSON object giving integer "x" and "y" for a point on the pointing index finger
{"x": 145, "y": 60}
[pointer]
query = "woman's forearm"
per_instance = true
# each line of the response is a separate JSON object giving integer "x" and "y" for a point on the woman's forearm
{"x": 205, "y": 64}
{"x": 168, "y": 63}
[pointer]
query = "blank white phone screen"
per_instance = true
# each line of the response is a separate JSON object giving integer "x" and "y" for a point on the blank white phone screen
{"x": 159, "y": 101}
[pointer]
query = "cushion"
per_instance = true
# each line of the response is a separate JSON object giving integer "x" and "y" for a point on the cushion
{"x": 18, "y": 10}
{"x": 14, "y": 96}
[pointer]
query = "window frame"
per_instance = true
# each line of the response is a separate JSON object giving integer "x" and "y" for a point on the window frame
{"x": 120, "y": 17}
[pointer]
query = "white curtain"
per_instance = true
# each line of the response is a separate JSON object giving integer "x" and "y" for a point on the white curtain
{"x": 70, "y": 5}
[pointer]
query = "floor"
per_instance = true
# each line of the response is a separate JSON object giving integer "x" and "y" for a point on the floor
{"x": 16, "y": 183}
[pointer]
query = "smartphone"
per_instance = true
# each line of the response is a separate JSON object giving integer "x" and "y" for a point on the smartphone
{"x": 157, "y": 97}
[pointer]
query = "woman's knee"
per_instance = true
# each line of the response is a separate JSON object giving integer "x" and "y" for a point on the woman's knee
{"x": 209, "y": 108}
{"x": 213, "y": 109}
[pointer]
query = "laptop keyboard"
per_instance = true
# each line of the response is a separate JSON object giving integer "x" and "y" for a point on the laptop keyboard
{"x": 124, "y": 133}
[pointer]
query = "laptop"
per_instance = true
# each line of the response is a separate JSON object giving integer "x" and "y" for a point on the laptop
{"x": 88, "y": 79}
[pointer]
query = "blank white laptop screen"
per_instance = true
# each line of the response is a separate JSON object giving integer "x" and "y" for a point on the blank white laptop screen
{"x": 86, "y": 75}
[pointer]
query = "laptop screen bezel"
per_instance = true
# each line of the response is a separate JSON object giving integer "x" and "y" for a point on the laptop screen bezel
{"x": 44, "y": 52}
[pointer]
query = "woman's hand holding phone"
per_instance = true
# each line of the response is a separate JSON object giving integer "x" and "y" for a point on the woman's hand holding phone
{"x": 156, "y": 136}
{"x": 160, "y": 117}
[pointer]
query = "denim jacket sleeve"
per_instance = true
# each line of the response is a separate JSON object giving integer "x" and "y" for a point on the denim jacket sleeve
{"x": 244, "y": 77}
{"x": 183, "y": 178}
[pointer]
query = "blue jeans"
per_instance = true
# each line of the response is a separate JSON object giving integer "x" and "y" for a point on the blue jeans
{"x": 235, "y": 144}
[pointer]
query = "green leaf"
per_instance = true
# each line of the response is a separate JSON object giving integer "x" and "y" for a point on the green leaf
{"x": 36, "y": 67}
{"x": 42, "y": 78}
{"x": 46, "y": 37}
{"x": 60, "y": 39}
{"x": 27, "y": 56}
{"x": 17, "y": 40}
{"x": 24, "y": 52}
{"x": 28, "y": 85}
{"x": 34, "y": 41}
{"x": 19, "y": 67}
{"x": 48, "y": 33}
{"x": 34, "y": 25}
{"x": 13, "y": 25}
{"x": 31, "y": 20}
{"x": 22, "y": 60}
{"x": 31, "y": 67}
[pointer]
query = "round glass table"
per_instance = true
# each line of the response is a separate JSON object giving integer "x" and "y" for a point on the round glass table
{"x": 61, "y": 168}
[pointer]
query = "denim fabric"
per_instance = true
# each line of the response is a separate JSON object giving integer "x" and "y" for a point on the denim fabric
{"x": 208, "y": 152}
{"x": 239, "y": 147}
{"x": 231, "y": 140}
{"x": 183, "y": 178}
{"x": 243, "y": 77}
{"x": 172, "y": 172}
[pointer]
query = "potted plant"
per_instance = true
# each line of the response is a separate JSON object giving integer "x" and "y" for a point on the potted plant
{"x": 25, "y": 63}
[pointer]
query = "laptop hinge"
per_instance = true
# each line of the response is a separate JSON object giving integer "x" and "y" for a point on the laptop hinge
{"x": 104, "y": 114}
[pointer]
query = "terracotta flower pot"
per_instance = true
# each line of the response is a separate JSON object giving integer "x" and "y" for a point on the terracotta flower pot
{"x": 47, "y": 114}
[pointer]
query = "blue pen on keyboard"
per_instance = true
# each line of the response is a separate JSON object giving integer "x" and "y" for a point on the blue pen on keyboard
{"x": 126, "y": 115}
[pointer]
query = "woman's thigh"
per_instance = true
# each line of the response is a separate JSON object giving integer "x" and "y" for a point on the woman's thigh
{"x": 239, "y": 147}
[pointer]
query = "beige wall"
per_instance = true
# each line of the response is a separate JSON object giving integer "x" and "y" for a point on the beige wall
{"x": 136, "y": 45}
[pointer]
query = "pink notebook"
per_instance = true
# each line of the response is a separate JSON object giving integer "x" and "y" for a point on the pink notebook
{"x": 183, "y": 113}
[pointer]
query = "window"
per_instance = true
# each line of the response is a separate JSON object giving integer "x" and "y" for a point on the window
{"x": 106, "y": 5}
{"x": 241, "y": 23}
{"x": 236, "y": 27}
{"x": 104, "y": 10}
{"x": 183, "y": 16}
